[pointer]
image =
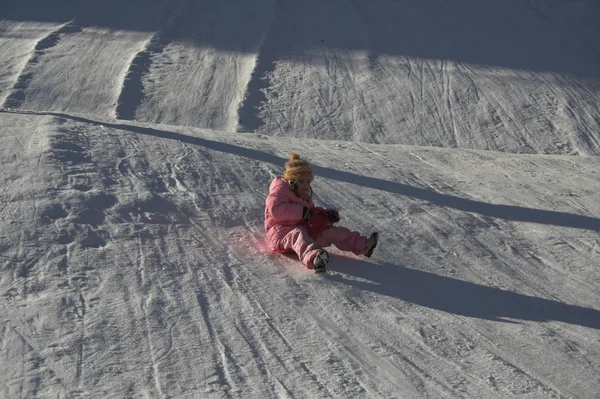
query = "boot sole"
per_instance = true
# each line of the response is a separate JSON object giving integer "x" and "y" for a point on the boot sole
{"x": 321, "y": 262}
{"x": 370, "y": 252}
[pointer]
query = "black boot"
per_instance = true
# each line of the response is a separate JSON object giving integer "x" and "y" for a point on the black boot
{"x": 321, "y": 261}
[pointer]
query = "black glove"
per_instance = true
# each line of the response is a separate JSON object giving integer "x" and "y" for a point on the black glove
{"x": 332, "y": 215}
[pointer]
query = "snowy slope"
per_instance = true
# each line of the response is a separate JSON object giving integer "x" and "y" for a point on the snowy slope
{"x": 516, "y": 76}
{"x": 134, "y": 262}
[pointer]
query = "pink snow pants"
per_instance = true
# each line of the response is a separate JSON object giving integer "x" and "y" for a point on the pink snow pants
{"x": 297, "y": 239}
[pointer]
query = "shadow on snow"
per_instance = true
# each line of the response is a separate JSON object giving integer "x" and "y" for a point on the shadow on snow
{"x": 459, "y": 297}
{"x": 415, "y": 286}
{"x": 506, "y": 212}
{"x": 542, "y": 36}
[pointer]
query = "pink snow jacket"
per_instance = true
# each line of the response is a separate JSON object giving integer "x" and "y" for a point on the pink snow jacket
{"x": 283, "y": 210}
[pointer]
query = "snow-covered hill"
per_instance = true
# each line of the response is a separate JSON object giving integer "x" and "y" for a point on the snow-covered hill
{"x": 138, "y": 140}
{"x": 516, "y": 76}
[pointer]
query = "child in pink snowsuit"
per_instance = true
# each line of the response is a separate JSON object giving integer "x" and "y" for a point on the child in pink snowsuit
{"x": 294, "y": 224}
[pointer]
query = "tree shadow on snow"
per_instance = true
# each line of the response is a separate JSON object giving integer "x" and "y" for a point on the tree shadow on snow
{"x": 456, "y": 296}
{"x": 536, "y": 36}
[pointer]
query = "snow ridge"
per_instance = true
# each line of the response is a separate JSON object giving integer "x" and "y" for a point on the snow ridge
{"x": 132, "y": 89}
{"x": 16, "y": 98}
{"x": 254, "y": 97}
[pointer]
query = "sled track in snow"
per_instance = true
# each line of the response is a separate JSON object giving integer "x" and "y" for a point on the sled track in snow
{"x": 18, "y": 92}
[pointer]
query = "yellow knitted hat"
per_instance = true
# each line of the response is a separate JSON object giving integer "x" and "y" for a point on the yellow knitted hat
{"x": 296, "y": 168}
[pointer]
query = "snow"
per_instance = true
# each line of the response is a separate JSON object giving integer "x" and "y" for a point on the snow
{"x": 138, "y": 141}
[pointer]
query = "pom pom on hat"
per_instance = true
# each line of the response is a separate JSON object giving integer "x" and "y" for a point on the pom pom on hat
{"x": 297, "y": 168}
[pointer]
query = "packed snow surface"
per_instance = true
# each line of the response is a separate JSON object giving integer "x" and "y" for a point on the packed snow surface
{"x": 137, "y": 143}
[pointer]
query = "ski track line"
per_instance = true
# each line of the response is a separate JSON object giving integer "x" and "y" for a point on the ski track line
{"x": 259, "y": 348}
{"x": 30, "y": 376}
{"x": 256, "y": 342}
{"x": 19, "y": 156}
{"x": 510, "y": 117}
{"x": 583, "y": 131}
{"x": 23, "y": 371}
{"x": 231, "y": 278}
{"x": 421, "y": 96}
{"x": 425, "y": 344}
{"x": 225, "y": 366}
{"x": 375, "y": 68}
{"x": 80, "y": 312}
{"x": 145, "y": 302}
{"x": 322, "y": 386}
{"x": 18, "y": 91}
{"x": 363, "y": 356}
{"x": 136, "y": 304}
{"x": 220, "y": 358}
{"x": 145, "y": 282}
{"x": 354, "y": 349}
{"x": 447, "y": 85}
{"x": 583, "y": 135}
{"x": 493, "y": 352}
{"x": 428, "y": 344}
{"x": 474, "y": 95}
{"x": 254, "y": 301}
{"x": 439, "y": 92}
{"x": 132, "y": 87}
{"x": 498, "y": 355}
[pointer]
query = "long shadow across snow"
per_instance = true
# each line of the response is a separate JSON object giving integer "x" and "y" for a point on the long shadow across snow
{"x": 506, "y": 212}
{"x": 459, "y": 297}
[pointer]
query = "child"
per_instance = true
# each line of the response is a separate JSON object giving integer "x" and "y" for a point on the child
{"x": 293, "y": 223}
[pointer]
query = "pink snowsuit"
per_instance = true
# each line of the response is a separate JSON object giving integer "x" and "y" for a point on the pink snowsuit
{"x": 287, "y": 231}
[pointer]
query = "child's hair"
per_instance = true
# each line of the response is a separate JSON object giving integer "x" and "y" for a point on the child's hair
{"x": 296, "y": 168}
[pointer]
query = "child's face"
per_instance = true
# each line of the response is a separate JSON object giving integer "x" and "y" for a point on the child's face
{"x": 303, "y": 188}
